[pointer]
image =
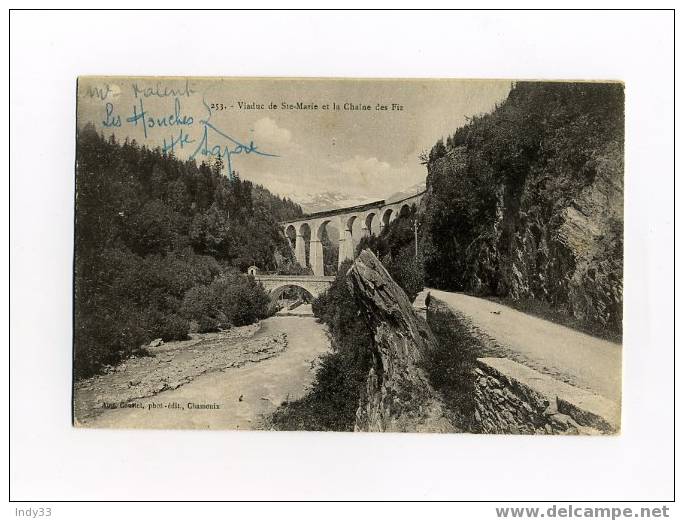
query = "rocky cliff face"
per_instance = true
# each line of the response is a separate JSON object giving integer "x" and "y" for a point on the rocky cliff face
{"x": 591, "y": 228}
{"x": 398, "y": 396}
{"x": 527, "y": 203}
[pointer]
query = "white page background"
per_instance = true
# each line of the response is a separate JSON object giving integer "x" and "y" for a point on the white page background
{"x": 50, "y": 460}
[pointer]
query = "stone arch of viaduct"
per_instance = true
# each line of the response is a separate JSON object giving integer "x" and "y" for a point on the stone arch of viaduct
{"x": 313, "y": 225}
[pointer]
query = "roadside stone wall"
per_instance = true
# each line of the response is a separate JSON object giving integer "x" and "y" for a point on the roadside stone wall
{"x": 511, "y": 398}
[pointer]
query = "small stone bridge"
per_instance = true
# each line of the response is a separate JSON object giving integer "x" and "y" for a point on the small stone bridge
{"x": 275, "y": 285}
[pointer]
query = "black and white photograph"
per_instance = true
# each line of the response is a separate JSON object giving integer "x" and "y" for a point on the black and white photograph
{"x": 339, "y": 264}
{"x": 349, "y": 255}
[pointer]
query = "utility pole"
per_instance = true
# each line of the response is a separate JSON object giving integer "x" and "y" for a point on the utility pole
{"x": 415, "y": 226}
{"x": 415, "y": 233}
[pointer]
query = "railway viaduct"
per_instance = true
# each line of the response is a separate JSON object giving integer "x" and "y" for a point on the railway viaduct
{"x": 310, "y": 228}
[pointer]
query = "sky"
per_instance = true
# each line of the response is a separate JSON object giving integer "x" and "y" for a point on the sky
{"x": 332, "y": 147}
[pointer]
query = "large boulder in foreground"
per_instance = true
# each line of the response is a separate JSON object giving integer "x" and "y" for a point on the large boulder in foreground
{"x": 398, "y": 395}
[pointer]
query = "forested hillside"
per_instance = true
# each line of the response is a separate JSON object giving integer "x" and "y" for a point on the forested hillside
{"x": 159, "y": 243}
{"x": 526, "y": 203}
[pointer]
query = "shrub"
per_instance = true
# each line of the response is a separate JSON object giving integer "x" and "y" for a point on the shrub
{"x": 153, "y": 228}
{"x": 200, "y": 306}
{"x": 291, "y": 267}
{"x": 102, "y": 339}
{"x": 167, "y": 327}
{"x": 232, "y": 300}
{"x": 450, "y": 366}
{"x": 174, "y": 274}
{"x": 123, "y": 301}
{"x": 406, "y": 270}
{"x": 332, "y": 403}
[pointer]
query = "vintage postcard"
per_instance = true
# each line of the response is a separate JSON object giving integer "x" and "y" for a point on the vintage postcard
{"x": 406, "y": 255}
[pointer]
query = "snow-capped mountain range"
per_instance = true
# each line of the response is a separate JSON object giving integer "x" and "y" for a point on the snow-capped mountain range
{"x": 312, "y": 203}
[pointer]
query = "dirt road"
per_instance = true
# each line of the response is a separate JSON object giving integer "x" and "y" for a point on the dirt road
{"x": 236, "y": 398}
{"x": 589, "y": 362}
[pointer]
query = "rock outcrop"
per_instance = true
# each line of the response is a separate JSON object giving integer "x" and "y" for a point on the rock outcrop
{"x": 398, "y": 395}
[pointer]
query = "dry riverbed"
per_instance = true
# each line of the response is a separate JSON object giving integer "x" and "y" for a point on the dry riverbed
{"x": 226, "y": 380}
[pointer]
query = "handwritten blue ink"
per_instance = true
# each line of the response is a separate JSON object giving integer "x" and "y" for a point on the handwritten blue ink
{"x": 166, "y": 92}
{"x": 111, "y": 120}
{"x": 225, "y": 151}
{"x": 149, "y": 121}
{"x": 135, "y": 117}
{"x": 99, "y": 92}
{"x": 180, "y": 141}
{"x": 206, "y": 106}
